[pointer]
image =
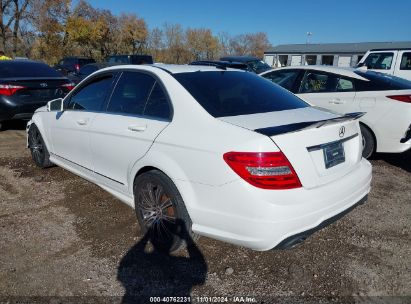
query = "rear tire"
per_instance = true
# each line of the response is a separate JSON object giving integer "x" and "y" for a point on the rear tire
{"x": 160, "y": 210}
{"x": 368, "y": 142}
{"x": 38, "y": 148}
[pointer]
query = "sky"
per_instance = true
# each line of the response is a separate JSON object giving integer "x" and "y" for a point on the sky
{"x": 285, "y": 21}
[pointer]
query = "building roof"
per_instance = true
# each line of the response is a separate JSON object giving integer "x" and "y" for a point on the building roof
{"x": 323, "y": 48}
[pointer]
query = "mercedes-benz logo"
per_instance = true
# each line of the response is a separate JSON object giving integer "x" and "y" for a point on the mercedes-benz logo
{"x": 342, "y": 131}
{"x": 43, "y": 85}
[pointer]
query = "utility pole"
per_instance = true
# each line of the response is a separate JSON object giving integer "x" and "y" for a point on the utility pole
{"x": 309, "y": 34}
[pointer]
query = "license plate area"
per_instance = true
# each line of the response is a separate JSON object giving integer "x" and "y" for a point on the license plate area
{"x": 333, "y": 154}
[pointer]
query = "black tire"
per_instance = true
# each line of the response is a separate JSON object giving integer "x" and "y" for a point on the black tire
{"x": 368, "y": 142}
{"x": 38, "y": 148}
{"x": 155, "y": 191}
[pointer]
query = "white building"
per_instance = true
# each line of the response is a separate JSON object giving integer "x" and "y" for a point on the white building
{"x": 335, "y": 54}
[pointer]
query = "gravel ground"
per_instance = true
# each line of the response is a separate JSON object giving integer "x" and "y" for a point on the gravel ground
{"x": 63, "y": 239}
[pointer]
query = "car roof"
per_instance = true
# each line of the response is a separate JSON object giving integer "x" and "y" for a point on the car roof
{"x": 239, "y": 58}
{"x": 170, "y": 68}
{"x": 348, "y": 72}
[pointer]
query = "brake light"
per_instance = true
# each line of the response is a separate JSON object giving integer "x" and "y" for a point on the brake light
{"x": 267, "y": 170}
{"x": 77, "y": 67}
{"x": 403, "y": 98}
{"x": 9, "y": 89}
{"x": 69, "y": 86}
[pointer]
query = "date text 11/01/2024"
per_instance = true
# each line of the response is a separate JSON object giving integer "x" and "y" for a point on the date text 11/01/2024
{"x": 202, "y": 299}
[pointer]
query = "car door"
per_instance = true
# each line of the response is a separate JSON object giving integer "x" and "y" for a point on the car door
{"x": 138, "y": 110}
{"x": 327, "y": 90}
{"x": 69, "y": 130}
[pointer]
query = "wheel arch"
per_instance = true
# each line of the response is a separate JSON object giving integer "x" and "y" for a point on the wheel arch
{"x": 36, "y": 121}
{"x": 372, "y": 133}
{"x": 172, "y": 170}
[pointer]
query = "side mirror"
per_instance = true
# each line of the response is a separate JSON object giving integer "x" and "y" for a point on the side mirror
{"x": 360, "y": 64}
{"x": 55, "y": 105}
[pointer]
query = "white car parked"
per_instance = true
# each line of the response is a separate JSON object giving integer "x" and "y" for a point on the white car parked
{"x": 386, "y": 100}
{"x": 234, "y": 156}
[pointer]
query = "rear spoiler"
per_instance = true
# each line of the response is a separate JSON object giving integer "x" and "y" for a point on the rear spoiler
{"x": 272, "y": 131}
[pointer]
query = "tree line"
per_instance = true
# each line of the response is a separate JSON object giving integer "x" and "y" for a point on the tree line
{"x": 51, "y": 29}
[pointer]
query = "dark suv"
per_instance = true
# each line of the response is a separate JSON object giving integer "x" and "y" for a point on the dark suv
{"x": 72, "y": 64}
{"x": 130, "y": 59}
{"x": 254, "y": 64}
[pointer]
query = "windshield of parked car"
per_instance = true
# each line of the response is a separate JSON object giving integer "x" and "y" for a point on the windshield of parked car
{"x": 231, "y": 93}
{"x": 12, "y": 69}
{"x": 381, "y": 82}
{"x": 258, "y": 66}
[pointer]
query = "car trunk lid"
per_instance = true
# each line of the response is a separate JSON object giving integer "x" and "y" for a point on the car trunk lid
{"x": 321, "y": 146}
{"x": 38, "y": 89}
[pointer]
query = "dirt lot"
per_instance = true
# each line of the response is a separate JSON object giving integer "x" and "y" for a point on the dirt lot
{"x": 64, "y": 237}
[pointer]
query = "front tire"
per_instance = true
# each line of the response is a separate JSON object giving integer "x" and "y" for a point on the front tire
{"x": 368, "y": 142}
{"x": 38, "y": 149}
{"x": 160, "y": 209}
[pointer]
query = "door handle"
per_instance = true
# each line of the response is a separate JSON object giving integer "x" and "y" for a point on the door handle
{"x": 336, "y": 101}
{"x": 137, "y": 128}
{"x": 82, "y": 122}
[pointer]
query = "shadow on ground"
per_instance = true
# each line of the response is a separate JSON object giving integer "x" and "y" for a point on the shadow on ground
{"x": 145, "y": 273}
{"x": 14, "y": 125}
{"x": 400, "y": 160}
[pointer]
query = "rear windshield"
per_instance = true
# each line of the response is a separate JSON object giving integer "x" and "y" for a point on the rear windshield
{"x": 381, "y": 82}
{"x": 258, "y": 66}
{"x": 11, "y": 68}
{"x": 231, "y": 93}
{"x": 86, "y": 61}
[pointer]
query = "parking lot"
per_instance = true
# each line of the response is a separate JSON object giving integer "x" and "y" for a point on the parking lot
{"x": 63, "y": 236}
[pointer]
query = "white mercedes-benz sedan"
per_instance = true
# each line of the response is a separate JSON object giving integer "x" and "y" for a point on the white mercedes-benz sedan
{"x": 230, "y": 154}
{"x": 385, "y": 100}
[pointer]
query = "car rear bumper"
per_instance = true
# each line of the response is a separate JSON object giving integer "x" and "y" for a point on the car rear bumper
{"x": 10, "y": 110}
{"x": 244, "y": 215}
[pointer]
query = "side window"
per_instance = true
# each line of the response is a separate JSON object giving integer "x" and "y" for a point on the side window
{"x": 345, "y": 85}
{"x": 157, "y": 104}
{"x": 284, "y": 78}
{"x": 92, "y": 96}
{"x": 318, "y": 82}
{"x": 406, "y": 61}
{"x": 131, "y": 93}
{"x": 379, "y": 61}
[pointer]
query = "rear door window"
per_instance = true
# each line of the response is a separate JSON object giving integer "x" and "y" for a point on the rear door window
{"x": 230, "y": 93}
{"x": 158, "y": 104}
{"x": 318, "y": 82}
{"x": 92, "y": 96}
{"x": 406, "y": 61}
{"x": 131, "y": 93}
{"x": 345, "y": 85}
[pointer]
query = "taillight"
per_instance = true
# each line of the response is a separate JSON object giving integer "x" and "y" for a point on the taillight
{"x": 267, "y": 170}
{"x": 9, "y": 89}
{"x": 77, "y": 67}
{"x": 403, "y": 98}
{"x": 69, "y": 86}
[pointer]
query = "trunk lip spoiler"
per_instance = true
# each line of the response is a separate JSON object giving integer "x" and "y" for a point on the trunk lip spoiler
{"x": 296, "y": 127}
